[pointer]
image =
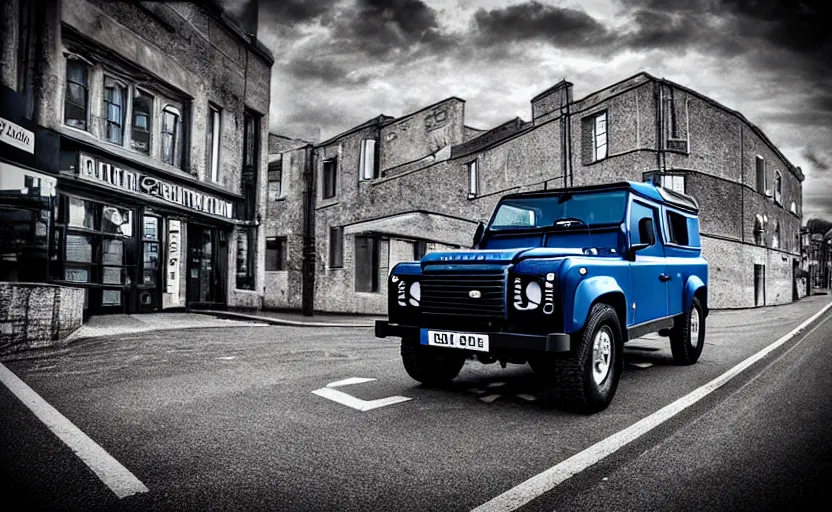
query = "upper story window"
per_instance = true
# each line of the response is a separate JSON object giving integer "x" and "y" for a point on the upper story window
{"x": 778, "y": 187}
{"x": 775, "y": 237}
{"x": 142, "y": 121}
{"x": 368, "y": 162}
{"x": 594, "y": 137}
{"x": 793, "y": 208}
{"x": 276, "y": 178}
{"x": 213, "y": 143}
{"x": 759, "y": 230}
{"x": 75, "y": 100}
{"x": 115, "y": 106}
{"x": 761, "y": 174}
{"x": 330, "y": 177}
{"x": 675, "y": 182}
{"x": 473, "y": 179}
{"x": 251, "y": 158}
{"x": 171, "y": 121}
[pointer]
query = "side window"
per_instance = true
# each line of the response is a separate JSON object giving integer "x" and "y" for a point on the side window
{"x": 639, "y": 233}
{"x": 677, "y": 227}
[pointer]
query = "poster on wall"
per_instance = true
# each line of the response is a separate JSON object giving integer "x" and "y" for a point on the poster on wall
{"x": 174, "y": 254}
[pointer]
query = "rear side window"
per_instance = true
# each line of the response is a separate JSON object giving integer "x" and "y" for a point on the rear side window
{"x": 677, "y": 226}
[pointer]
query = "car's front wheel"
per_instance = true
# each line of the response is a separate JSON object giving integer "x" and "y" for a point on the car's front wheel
{"x": 432, "y": 366}
{"x": 587, "y": 377}
{"x": 688, "y": 335}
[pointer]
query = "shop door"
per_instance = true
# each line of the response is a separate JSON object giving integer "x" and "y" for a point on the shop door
{"x": 207, "y": 266}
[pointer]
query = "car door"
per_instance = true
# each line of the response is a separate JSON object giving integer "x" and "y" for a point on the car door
{"x": 648, "y": 277}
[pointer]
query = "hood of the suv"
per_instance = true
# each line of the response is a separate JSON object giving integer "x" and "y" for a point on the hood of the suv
{"x": 498, "y": 255}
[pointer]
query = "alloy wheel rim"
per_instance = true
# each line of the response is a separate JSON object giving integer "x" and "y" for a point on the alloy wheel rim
{"x": 601, "y": 354}
{"x": 694, "y": 327}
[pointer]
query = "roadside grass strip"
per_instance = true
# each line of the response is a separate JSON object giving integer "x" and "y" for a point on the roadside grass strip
{"x": 115, "y": 476}
{"x": 544, "y": 482}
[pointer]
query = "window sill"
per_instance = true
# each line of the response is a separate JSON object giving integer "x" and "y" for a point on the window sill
{"x": 327, "y": 205}
{"x": 335, "y": 268}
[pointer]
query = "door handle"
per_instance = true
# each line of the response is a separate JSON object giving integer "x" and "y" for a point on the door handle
{"x": 664, "y": 278}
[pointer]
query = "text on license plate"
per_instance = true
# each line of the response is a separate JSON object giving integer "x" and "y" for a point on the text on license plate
{"x": 458, "y": 340}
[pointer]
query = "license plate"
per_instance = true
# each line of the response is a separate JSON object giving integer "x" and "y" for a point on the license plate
{"x": 464, "y": 340}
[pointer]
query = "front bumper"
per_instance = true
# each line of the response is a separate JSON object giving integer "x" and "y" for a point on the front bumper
{"x": 552, "y": 342}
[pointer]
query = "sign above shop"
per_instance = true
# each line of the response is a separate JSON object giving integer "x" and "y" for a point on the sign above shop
{"x": 17, "y": 136}
{"x": 135, "y": 182}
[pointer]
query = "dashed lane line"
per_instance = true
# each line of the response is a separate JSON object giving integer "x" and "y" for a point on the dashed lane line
{"x": 115, "y": 476}
{"x": 544, "y": 482}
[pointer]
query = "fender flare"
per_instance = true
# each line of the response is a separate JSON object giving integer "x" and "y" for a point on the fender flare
{"x": 586, "y": 294}
{"x": 693, "y": 285}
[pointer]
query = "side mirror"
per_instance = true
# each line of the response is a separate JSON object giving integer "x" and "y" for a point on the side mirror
{"x": 478, "y": 233}
{"x": 635, "y": 248}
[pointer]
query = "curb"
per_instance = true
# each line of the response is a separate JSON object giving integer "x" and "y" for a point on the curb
{"x": 278, "y": 321}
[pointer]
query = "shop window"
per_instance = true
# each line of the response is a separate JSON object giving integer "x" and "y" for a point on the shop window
{"x": 115, "y": 99}
{"x": 171, "y": 132}
{"x": 213, "y": 145}
{"x": 473, "y": 179}
{"x": 75, "y": 95}
{"x": 150, "y": 252}
{"x": 330, "y": 177}
{"x": 275, "y": 254}
{"x": 366, "y": 264}
{"x": 594, "y": 137}
{"x": 142, "y": 122}
{"x": 246, "y": 243}
{"x": 336, "y": 247}
{"x": 81, "y": 213}
{"x": 117, "y": 221}
{"x": 368, "y": 162}
{"x": 276, "y": 178}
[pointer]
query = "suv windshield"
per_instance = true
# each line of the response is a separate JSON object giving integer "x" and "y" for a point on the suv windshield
{"x": 536, "y": 212}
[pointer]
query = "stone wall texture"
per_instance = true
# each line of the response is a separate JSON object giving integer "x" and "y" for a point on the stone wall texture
{"x": 651, "y": 125}
{"x": 34, "y": 315}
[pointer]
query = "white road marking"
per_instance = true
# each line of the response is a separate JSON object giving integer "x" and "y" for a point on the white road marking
{"x": 490, "y": 398}
{"x": 227, "y": 358}
{"x": 528, "y": 398}
{"x": 115, "y": 476}
{"x": 544, "y": 482}
{"x": 349, "y": 382}
{"x": 356, "y": 403}
{"x": 476, "y": 390}
{"x": 495, "y": 384}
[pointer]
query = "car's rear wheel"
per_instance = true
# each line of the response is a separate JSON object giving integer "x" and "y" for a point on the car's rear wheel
{"x": 688, "y": 335}
{"x": 432, "y": 366}
{"x": 587, "y": 377}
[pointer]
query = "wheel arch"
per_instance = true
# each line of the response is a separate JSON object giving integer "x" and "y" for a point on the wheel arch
{"x": 592, "y": 291}
{"x": 695, "y": 288}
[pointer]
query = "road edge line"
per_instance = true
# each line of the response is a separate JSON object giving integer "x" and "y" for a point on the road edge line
{"x": 111, "y": 472}
{"x": 544, "y": 482}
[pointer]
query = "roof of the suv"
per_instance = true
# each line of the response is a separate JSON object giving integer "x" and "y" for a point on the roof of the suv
{"x": 647, "y": 190}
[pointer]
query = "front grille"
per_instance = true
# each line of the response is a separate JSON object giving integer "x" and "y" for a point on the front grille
{"x": 446, "y": 296}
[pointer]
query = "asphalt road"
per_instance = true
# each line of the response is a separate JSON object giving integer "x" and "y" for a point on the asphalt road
{"x": 212, "y": 419}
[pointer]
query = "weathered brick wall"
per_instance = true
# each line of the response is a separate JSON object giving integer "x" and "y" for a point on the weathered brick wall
{"x": 38, "y": 315}
{"x": 422, "y": 133}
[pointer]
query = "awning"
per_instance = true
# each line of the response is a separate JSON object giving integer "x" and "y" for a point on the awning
{"x": 430, "y": 227}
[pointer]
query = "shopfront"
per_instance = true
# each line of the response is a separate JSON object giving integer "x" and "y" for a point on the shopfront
{"x": 138, "y": 242}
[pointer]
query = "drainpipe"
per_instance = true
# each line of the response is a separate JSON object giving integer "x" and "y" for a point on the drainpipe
{"x": 308, "y": 258}
{"x": 657, "y": 95}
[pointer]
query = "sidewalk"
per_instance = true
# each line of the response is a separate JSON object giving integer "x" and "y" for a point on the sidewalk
{"x": 297, "y": 319}
{"x": 117, "y": 325}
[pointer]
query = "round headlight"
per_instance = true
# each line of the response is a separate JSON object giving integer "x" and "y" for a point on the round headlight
{"x": 533, "y": 293}
{"x": 415, "y": 293}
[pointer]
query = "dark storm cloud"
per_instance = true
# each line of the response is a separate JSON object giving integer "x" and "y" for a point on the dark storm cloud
{"x": 324, "y": 70}
{"x": 288, "y": 12}
{"x": 532, "y": 20}
{"x": 381, "y": 28}
{"x": 819, "y": 161}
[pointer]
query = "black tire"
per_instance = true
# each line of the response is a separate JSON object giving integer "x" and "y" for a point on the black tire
{"x": 685, "y": 348}
{"x": 432, "y": 366}
{"x": 575, "y": 385}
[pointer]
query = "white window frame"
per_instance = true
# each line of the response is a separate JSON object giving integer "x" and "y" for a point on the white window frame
{"x": 600, "y": 128}
{"x": 675, "y": 182}
{"x": 138, "y": 91}
{"x": 473, "y": 178}
{"x": 122, "y": 123}
{"x": 367, "y": 162}
{"x": 177, "y": 134}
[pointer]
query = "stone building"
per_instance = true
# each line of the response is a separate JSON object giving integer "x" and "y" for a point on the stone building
{"x": 390, "y": 189}
{"x": 153, "y": 118}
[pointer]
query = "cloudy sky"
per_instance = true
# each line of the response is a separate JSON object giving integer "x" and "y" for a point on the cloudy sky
{"x": 341, "y": 62}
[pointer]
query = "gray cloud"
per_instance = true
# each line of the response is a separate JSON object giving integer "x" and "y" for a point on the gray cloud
{"x": 533, "y": 20}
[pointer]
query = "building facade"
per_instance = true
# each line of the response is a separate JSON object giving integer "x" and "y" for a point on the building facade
{"x": 391, "y": 189}
{"x": 154, "y": 122}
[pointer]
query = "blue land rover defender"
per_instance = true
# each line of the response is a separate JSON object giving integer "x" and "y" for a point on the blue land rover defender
{"x": 560, "y": 279}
